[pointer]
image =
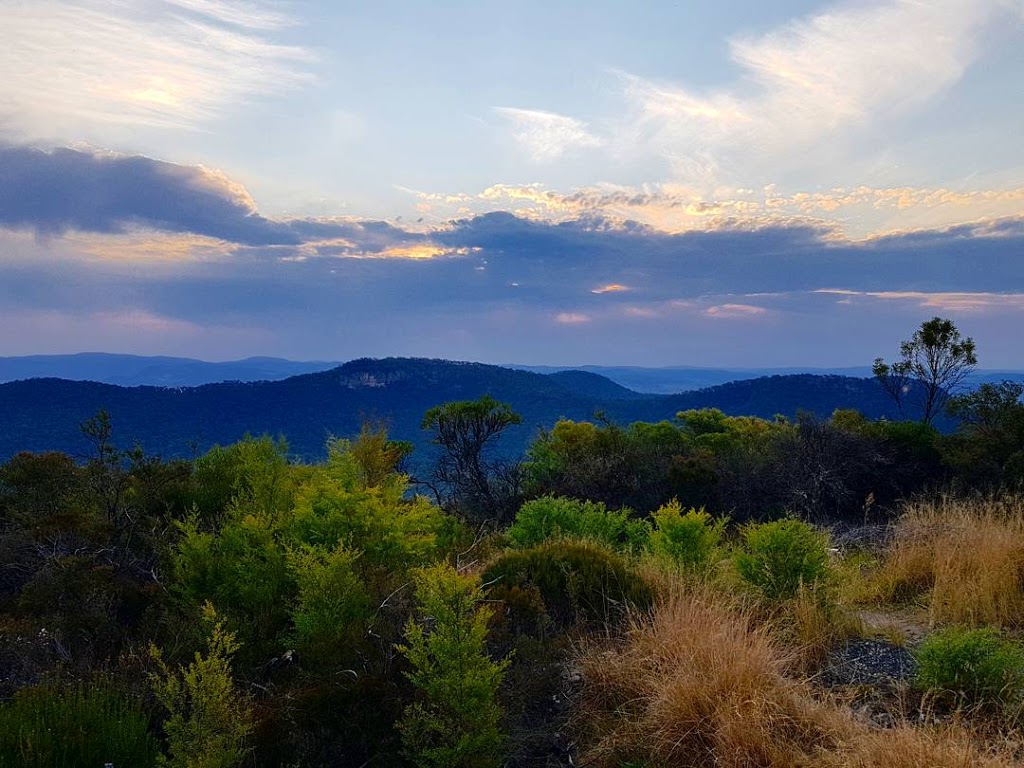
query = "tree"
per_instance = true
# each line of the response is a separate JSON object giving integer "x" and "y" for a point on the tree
{"x": 932, "y": 364}
{"x": 464, "y": 480}
{"x": 988, "y": 447}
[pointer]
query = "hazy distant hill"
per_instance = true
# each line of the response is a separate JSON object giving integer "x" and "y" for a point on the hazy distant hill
{"x": 44, "y": 414}
{"x": 136, "y": 370}
{"x": 673, "y": 379}
{"x": 603, "y": 382}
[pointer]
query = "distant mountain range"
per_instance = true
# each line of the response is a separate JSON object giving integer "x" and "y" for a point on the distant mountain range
{"x": 137, "y": 370}
{"x": 683, "y": 378}
{"x": 44, "y": 414}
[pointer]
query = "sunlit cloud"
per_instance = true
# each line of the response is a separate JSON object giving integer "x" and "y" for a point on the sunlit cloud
{"x": 857, "y": 212}
{"x": 73, "y": 67}
{"x": 611, "y": 288}
{"x": 413, "y": 251}
{"x": 545, "y": 136}
{"x": 949, "y": 301}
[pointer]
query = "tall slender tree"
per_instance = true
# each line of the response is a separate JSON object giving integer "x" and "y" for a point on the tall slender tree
{"x": 931, "y": 367}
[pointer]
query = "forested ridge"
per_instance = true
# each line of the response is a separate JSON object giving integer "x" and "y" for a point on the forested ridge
{"x": 42, "y": 414}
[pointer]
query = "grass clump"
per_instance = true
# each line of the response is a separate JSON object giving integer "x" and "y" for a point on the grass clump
{"x": 700, "y": 681}
{"x": 964, "y": 558}
{"x": 552, "y": 517}
{"x": 781, "y": 557}
{"x": 44, "y": 727}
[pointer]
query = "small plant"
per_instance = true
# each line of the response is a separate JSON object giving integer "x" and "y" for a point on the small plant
{"x": 209, "y": 719}
{"x": 688, "y": 539}
{"x": 44, "y": 727}
{"x": 976, "y": 666}
{"x": 455, "y": 722}
{"x": 781, "y": 556}
{"x": 551, "y": 517}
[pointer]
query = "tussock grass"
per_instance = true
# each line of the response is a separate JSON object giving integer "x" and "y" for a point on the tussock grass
{"x": 699, "y": 681}
{"x": 964, "y": 558}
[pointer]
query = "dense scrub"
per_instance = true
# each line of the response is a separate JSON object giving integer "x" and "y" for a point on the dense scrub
{"x": 651, "y": 594}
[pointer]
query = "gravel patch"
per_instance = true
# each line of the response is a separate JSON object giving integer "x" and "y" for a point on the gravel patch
{"x": 868, "y": 662}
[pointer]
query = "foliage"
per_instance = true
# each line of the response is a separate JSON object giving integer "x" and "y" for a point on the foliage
{"x": 976, "y": 665}
{"x": 932, "y": 364}
{"x": 377, "y": 457}
{"x": 688, "y": 539}
{"x": 551, "y": 517}
{"x": 392, "y": 532}
{"x": 332, "y": 607}
{"x": 208, "y": 718}
{"x": 578, "y": 580}
{"x": 988, "y": 448}
{"x": 780, "y": 557}
{"x": 455, "y": 722}
{"x": 640, "y": 466}
{"x": 243, "y": 570}
{"x": 86, "y": 725}
{"x": 465, "y": 480}
{"x": 252, "y": 474}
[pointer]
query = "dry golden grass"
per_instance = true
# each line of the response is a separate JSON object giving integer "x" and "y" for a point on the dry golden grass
{"x": 964, "y": 557}
{"x": 700, "y": 682}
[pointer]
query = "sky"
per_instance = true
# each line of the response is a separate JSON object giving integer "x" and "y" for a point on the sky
{"x": 738, "y": 183}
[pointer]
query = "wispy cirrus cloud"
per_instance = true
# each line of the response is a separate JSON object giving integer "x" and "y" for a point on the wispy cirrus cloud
{"x": 546, "y": 136}
{"x": 839, "y": 72}
{"x": 946, "y": 301}
{"x": 74, "y": 66}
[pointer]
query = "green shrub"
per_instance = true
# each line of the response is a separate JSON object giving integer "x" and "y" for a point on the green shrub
{"x": 688, "y": 539}
{"x": 208, "y": 718}
{"x": 49, "y": 728}
{"x": 552, "y": 517}
{"x": 332, "y": 608}
{"x": 578, "y": 580}
{"x": 975, "y": 665}
{"x": 781, "y": 556}
{"x": 455, "y": 722}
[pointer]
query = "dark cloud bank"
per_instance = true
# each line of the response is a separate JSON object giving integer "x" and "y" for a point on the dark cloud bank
{"x": 491, "y": 259}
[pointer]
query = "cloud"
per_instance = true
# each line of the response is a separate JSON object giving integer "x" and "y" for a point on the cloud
{"x": 76, "y": 66}
{"x": 494, "y": 286}
{"x": 51, "y": 193}
{"x": 860, "y": 211}
{"x": 141, "y": 237}
{"x": 811, "y": 84}
{"x": 735, "y": 310}
{"x": 545, "y": 136}
{"x": 571, "y": 318}
{"x": 946, "y": 301}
